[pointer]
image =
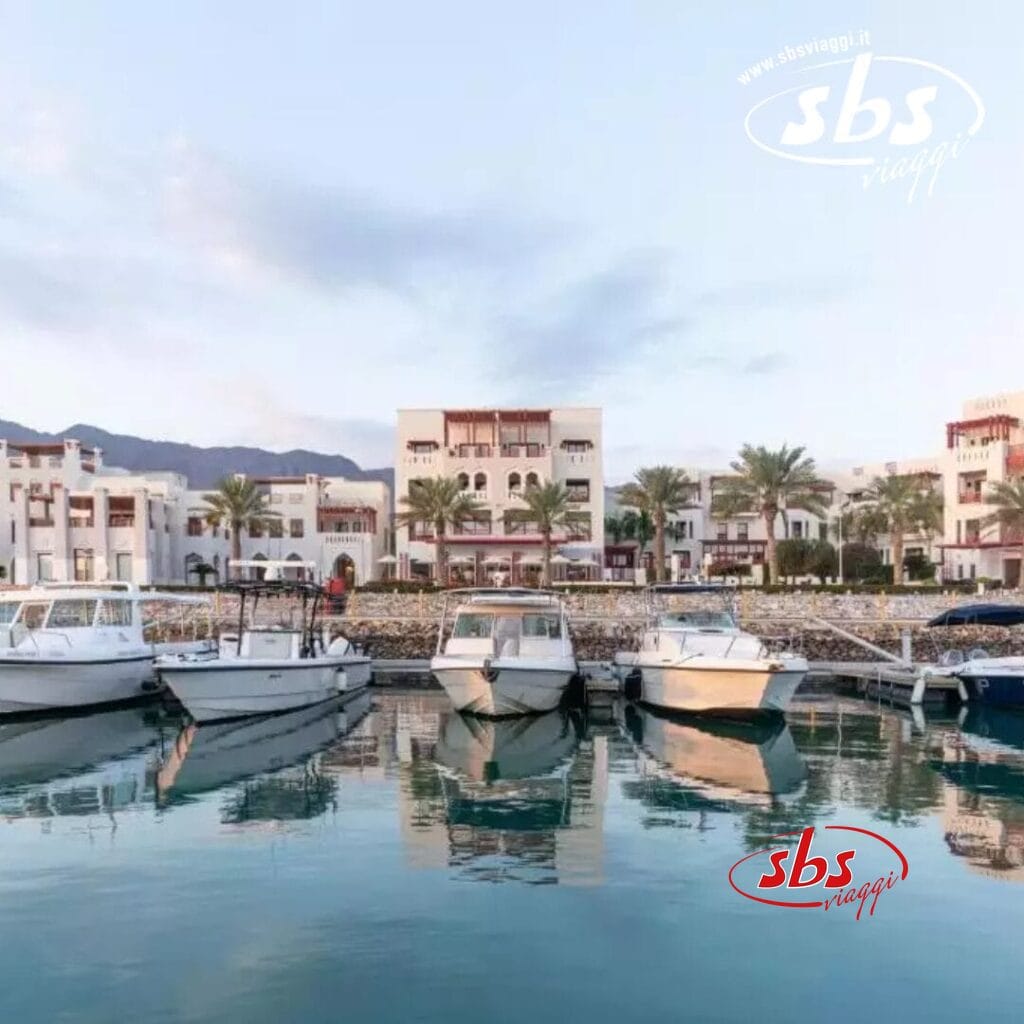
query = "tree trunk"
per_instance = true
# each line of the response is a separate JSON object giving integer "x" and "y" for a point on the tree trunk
{"x": 897, "y": 557}
{"x": 236, "y": 548}
{"x": 442, "y": 554}
{"x": 772, "y": 550}
{"x": 659, "y": 546}
{"x": 545, "y": 572}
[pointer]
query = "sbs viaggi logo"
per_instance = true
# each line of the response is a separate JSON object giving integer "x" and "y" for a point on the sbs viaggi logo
{"x": 851, "y": 867}
{"x": 895, "y": 119}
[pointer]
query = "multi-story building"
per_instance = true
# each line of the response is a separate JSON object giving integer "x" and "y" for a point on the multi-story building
{"x": 66, "y": 517}
{"x": 984, "y": 447}
{"x": 497, "y": 454}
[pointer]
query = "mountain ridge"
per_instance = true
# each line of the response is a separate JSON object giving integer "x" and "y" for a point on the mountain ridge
{"x": 203, "y": 466}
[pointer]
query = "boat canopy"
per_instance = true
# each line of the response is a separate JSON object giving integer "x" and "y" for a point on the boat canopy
{"x": 981, "y": 615}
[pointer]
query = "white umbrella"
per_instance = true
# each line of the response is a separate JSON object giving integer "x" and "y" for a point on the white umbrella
{"x": 497, "y": 560}
{"x": 531, "y": 560}
{"x": 585, "y": 561}
{"x": 560, "y": 560}
{"x": 387, "y": 560}
{"x": 461, "y": 560}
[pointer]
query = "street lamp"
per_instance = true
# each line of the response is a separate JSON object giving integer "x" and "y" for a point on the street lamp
{"x": 842, "y": 508}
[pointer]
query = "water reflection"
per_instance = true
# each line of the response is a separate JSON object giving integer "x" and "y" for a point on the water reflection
{"x": 267, "y": 765}
{"x": 518, "y": 799}
{"x": 982, "y": 762}
{"x": 81, "y": 765}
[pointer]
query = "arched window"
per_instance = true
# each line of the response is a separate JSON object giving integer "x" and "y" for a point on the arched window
{"x": 480, "y": 482}
{"x": 299, "y": 572}
{"x": 515, "y": 483}
{"x": 463, "y": 481}
{"x": 258, "y": 574}
{"x": 532, "y": 480}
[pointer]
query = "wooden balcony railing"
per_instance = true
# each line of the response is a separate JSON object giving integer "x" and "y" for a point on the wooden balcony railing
{"x": 971, "y": 498}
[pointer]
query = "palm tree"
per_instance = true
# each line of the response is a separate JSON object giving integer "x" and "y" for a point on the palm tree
{"x": 901, "y": 502}
{"x": 660, "y": 491}
{"x": 767, "y": 483}
{"x": 1008, "y": 495}
{"x": 615, "y": 527}
{"x": 549, "y": 506}
{"x": 442, "y": 502}
{"x": 238, "y": 505}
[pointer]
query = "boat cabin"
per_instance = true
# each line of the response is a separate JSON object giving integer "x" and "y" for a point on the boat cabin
{"x": 527, "y": 624}
{"x": 41, "y": 611}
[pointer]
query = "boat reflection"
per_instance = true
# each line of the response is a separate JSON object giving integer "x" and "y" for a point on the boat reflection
{"x": 701, "y": 764}
{"x": 79, "y": 765}
{"x": 983, "y": 766}
{"x": 509, "y": 800}
{"x": 267, "y": 766}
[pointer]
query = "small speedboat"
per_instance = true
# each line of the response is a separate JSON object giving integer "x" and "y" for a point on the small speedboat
{"x": 988, "y": 680}
{"x": 699, "y": 660}
{"x": 509, "y": 652}
{"x": 70, "y": 646}
{"x": 259, "y": 671}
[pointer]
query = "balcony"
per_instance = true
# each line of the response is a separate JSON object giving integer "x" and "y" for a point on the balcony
{"x": 579, "y": 495}
{"x": 40, "y": 521}
{"x": 970, "y": 498}
{"x": 81, "y": 522}
{"x": 524, "y": 451}
{"x": 1015, "y": 459}
{"x": 470, "y": 451}
{"x": 121, "y": 519}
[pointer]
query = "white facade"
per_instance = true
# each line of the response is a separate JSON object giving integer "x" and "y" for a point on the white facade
{"x": 497, "y": 454}
{"x": 65, "y": 517}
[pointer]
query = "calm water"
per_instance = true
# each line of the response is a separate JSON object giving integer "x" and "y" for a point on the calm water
{"x": 392, "y": 861}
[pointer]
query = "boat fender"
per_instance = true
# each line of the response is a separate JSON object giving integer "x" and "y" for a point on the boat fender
{"x": 489, "y": 673}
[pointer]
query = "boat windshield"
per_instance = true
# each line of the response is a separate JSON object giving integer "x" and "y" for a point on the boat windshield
{"x": 71, "y": 614}
{"x": 473, "y": 626}
{"x": 8, "y": 612}
{"x": 543, "y": 626}
{"x": 697, "y": 620}
{"x": 33, "y": 614}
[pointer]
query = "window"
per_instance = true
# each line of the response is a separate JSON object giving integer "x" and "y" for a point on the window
{"x": 742, "y": 531}
{"x": 576, "y": 446}
{"x": 480, "y": 482}
{"x": 71, "y": 614}
{"x": 195, "y": 526}
{"x": 473, "y": 627}
{"x": 255, "y": 529}
{"x": 532, "y": 480}
{"x": 8, "y": 612}
{"x": 295, "y": 499}
{"x": 123, "y": 566}
{"x": 275, "y": 528}
{"x": 722, "y": 531}
{"x": 797, "y": 529}
{"x": 83, "y": 565}
{"x": 44, "y": 567}
{"x": 579, "y": 490}
{"x": 276, "y": 499}
{"x": 33, "y": 615}
{"x": 422, "y": 447}
{"x": 296, "y": 528}
{"x": 545, "y": 626}
{"x": 357, "y": 526}
{"x": 341, "y": 526}
{"x": 515, "y": 483}
{"x": 115, "y": 613}
{"x": 463, "y": 481}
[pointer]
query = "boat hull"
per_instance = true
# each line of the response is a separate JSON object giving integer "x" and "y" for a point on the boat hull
{"x": 734, "y": 689}
{"x": 45, "y": 684}
{"x": 1003, "y": 689}
{"x": 214, "y": 690}
{"x": 497, "y": 690}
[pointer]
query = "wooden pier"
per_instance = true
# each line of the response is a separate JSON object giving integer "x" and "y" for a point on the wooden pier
{"x": 901, "y": 684}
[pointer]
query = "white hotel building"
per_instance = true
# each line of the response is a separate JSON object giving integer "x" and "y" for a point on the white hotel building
{"x": 496, "y": 454}
{"x": 64, "y": 516}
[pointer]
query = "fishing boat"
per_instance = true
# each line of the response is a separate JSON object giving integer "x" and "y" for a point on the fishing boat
{"x": 699, "y": 660}
{"x": 509, "y": 651}
{"x": 70, "y": 646}
{"x": 988, "y": 680}
{"x": 259, "y": 670}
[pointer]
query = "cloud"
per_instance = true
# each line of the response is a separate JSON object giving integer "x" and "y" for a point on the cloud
{"x": 592, "y": 326}
{"x": 334, "y": 238}
{"x": 770, "y": 362}
{"x": 794, "y": 293}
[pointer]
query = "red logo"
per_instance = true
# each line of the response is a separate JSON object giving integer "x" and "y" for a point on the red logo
{"x": 797, "y": 878}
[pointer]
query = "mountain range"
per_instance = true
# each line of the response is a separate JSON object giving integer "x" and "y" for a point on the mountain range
{"x": 203, "y": 466}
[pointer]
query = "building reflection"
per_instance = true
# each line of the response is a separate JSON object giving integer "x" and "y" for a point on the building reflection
{"x": 507, "y": 800}
{"x": 982, "y": 764}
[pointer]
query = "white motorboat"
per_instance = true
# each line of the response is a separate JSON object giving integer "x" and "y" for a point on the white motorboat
{"x": 699, "y": 660}
{"x": 68, "y": 646}
{"x": 509, "y": 652}
{"x": 261, "y": 670}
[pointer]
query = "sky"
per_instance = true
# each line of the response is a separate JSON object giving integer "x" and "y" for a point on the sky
{"x": 275, "y": 224}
